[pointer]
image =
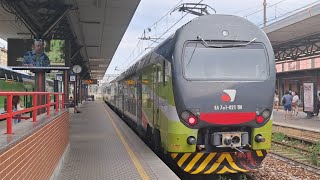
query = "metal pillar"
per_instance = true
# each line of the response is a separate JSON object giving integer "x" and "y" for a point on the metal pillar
{"x": 75, "y": 91}
{"x": 315, "y": 94}
{"x": 264, "y": 14}
{"x": 80, "y": 91}
{"x": 40, "y": 86}
{"x": 66, "y": 78}
{"x": 56, "y": 89}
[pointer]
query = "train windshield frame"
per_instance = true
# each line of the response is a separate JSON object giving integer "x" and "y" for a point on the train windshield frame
{"x": 248, "y": 63}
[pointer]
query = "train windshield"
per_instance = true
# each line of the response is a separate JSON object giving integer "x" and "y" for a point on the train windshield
{"x": 232, "y": 63}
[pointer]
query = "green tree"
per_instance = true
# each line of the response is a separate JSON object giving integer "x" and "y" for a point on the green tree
{"x": 56, "y": 54}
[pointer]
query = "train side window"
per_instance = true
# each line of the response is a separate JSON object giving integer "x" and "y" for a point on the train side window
{"x": 167, "y": 72}
{"x": 9, "y": 75}
{"x": 2, "y": 74}
{"x": 15, "y": 76}
{"x": 19, "y": 77}
{"x": 164, "y": 73}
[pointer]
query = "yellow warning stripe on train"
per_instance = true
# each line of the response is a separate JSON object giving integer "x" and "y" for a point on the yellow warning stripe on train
{"x": 217, "y": 163}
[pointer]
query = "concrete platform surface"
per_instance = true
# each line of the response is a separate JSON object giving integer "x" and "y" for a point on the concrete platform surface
{"x": 102, "y": 146}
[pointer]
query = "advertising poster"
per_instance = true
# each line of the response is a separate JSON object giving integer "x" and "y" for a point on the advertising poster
{"x": 36, "y": 53}
{"x": 308, "y": 101}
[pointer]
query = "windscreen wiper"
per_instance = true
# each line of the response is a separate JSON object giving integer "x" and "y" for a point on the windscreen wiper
{"x": 224, "y": 46}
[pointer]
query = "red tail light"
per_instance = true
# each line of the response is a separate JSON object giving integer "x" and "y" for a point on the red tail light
{"x": 260, "y": 119}
{"x": 192, "y": 120}
{"x": 189, "y": 118}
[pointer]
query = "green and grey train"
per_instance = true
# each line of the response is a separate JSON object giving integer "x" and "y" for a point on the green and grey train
{"x": 18, "y": 81}
{"x": 204, "y": 96}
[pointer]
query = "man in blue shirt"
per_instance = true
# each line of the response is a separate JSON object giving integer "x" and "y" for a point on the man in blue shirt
{"x": 36, "y": 57}
{"x": 287, "y": 104}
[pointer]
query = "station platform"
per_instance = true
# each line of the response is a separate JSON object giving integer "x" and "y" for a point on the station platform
{"x": 102, "y": 146}
{"x": 298, "y": 122}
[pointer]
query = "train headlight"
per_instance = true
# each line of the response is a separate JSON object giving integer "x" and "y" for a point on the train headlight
{"x": 191, "y": 140}
{"x": 185, "y": 115}
{"x": 259, "y": 138}
{"x": 266, "y": 114}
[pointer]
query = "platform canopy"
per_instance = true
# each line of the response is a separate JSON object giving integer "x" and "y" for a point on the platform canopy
{"x": 94, "y": 27}
{"x": 296, "y": 36}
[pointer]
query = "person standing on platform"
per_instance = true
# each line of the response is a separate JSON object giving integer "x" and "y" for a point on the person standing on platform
{"x": 318, "y": 105}
{"x": 287, "y": 105}
{"x": 36, "y": 57}
{"x": 17, "y": 105}
{"x": 276, "y": 101}
{"x": 295, "y": 103}
{"x": 72, "y": 104}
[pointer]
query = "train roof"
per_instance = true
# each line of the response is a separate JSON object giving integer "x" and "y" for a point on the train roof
{"x": 144, "y": 60}
{"x": 186, "y": 31}
{"x": 10, "y": 69}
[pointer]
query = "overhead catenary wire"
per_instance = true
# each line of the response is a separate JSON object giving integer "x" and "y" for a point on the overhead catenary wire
{"x": 166, "y": 14}
{"x": 153, "y": 25}
{"x": 293, "y": 11}
{"x": 161, "y": 35}
{"x": 156, "y": 40}
{"x": 244, "y": 10}
{"x": 252, "y": 13}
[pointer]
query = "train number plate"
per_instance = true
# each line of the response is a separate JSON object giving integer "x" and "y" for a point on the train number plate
{"x": 227, "y": 107}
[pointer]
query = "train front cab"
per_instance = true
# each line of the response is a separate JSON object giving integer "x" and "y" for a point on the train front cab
{"x": 237, "y": 103}
{"x": 158, "y": 109}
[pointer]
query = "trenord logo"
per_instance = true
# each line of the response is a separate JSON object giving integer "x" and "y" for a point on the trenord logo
{"x": 229, "y": 95}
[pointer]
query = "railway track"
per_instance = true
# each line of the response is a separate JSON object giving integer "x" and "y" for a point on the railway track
{"x": 296, "y": 156}
{"x": 304, "y": 134}
{"x": 293, "y": 162}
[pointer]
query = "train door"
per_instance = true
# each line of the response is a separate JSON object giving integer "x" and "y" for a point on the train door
{"x": 118, "y": 96}
{"x": 122, "y": 90}
{"x": 139, "y": 101}
{"x": 156, "y": 84}
{"x": 156, "y": 135}
{"x": 140, "y": 124}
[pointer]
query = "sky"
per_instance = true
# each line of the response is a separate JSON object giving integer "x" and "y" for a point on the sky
{"x": 150, "y": 11}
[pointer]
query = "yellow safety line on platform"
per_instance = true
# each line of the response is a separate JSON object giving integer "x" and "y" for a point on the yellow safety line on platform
{"x": 131, "y": 154}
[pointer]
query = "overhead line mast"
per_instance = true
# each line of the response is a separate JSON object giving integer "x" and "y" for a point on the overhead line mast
{"x": 264, "y": 14}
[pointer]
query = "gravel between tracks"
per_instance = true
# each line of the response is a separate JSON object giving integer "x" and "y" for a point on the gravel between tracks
{"x": 275, "y": 169}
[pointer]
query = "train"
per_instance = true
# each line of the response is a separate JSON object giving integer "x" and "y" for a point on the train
{"x": 204, "y": 96}
{"x": 11, "y": 80}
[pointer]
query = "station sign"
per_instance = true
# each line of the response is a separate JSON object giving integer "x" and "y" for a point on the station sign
{"x": 59, "y": 77}
{"x": 145, "y": 81}
{"x": 72, "y": 78}
{"x": 90, "y": 81}
{"x": 130, "y": 82}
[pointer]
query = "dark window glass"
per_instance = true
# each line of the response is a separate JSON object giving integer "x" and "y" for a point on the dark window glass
{"x": 236, "y": 63}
